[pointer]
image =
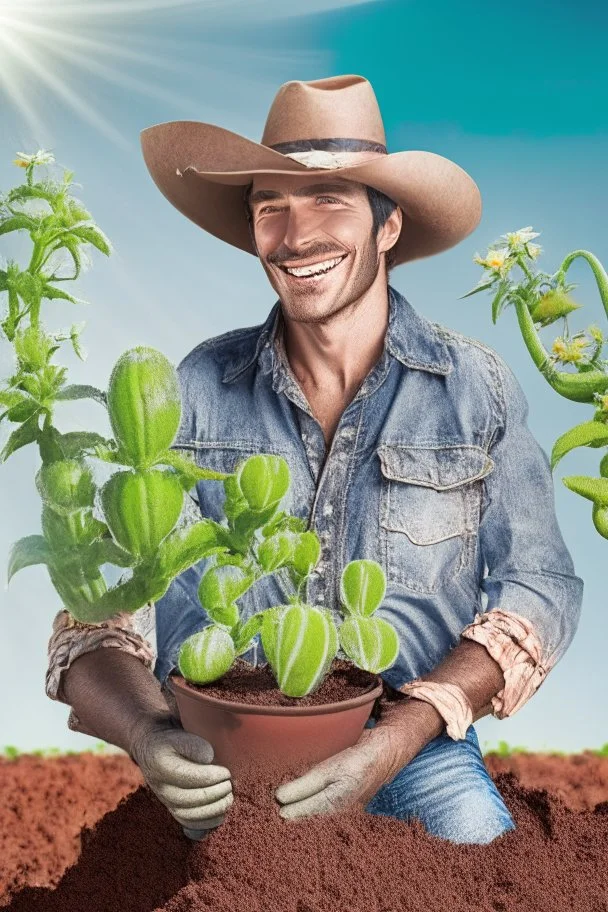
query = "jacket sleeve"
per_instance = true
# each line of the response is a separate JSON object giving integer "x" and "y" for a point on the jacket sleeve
{"x": 534, "y": 597}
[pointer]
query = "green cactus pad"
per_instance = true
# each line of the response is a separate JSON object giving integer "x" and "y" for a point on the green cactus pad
{"x": 305, "y": 646}
{"x": 371, "y": 643}
{"x": 206, "y": 656}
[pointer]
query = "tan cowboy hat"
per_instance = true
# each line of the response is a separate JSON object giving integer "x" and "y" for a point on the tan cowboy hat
{"x": 311, "y": 127}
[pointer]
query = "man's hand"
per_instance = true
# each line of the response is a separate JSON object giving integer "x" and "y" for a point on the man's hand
{"x": 177, "y": 767}
{"x": 350, "y": 778}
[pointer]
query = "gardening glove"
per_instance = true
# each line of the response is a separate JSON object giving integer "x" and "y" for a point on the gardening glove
{"x": 350, "y": 778}
{"x": 177, "y": 767}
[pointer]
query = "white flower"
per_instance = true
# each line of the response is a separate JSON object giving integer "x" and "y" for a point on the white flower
{"x": 534, "y": 250}
{"x": 38, "y": 158}
{"x": 495, "y": 259}
{"x": 516, "y": 239}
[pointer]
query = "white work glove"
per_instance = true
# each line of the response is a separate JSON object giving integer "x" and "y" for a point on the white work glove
{"x": 177, "y": 767}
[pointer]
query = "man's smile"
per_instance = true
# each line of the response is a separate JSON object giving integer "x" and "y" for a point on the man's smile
{"x": 312, "y": 271}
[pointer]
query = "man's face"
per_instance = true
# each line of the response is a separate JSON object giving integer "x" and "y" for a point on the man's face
{"x": 300, "y": 221}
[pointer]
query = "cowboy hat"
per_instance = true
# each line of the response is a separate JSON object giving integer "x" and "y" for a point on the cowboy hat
{"x": 312, "y": 127}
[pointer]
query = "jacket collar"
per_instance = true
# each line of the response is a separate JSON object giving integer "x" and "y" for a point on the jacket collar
{"x": 410, "y": 338}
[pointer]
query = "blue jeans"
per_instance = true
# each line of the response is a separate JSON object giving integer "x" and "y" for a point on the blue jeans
{"x": 448, "y": 787}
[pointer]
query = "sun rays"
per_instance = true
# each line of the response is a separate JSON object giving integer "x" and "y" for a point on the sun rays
{"x": 50, "y": 47}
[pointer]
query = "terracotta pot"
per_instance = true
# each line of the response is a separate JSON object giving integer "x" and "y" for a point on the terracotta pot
{"x": 246, "y": 736}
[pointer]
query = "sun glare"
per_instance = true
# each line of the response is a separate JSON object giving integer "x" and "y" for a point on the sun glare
{"x": 43, "y": 44}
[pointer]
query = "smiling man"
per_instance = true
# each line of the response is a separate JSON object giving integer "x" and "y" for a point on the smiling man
{"x": 407, "y": 443}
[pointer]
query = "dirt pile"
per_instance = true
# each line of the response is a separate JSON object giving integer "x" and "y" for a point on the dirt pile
{"x": 133, "y": 855}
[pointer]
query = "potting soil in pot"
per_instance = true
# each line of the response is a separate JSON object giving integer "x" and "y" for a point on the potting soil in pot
{"x": 246, "y": 683}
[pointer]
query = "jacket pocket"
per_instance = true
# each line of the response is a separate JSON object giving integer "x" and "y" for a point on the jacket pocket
{"x": 429, "y": 511}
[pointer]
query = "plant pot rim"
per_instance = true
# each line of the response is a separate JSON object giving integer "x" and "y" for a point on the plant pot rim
{"x": 175, "y": 682}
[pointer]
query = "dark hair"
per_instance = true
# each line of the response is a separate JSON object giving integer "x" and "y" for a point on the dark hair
{"x": 380, "y": 204}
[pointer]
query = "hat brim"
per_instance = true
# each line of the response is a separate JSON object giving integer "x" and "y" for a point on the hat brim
{"x": 441, "y": 203}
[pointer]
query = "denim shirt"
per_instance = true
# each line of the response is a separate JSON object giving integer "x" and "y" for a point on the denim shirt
{"x": 432, "y": 472}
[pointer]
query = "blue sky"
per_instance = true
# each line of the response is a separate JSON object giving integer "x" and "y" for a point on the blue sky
{"x": 515, "y": 96}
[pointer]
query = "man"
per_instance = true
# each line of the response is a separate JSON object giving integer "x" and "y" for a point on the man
{"x": 407, "y": 443}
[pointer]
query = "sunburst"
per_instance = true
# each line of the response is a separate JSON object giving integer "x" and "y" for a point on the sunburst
{"x": 41, "y": 43}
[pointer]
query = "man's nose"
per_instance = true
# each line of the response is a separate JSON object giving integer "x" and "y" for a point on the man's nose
{"x": 301, "y": 228}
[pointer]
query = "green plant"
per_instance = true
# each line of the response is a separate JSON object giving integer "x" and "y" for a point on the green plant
{"x": 540, "y": 299}
{"x": 139, "y": 505}
{"x": 300, "y": 640}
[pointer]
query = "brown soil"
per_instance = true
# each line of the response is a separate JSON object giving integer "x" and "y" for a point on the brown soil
{"x": 83, "y": 833}
{"x": 247, "y": 683}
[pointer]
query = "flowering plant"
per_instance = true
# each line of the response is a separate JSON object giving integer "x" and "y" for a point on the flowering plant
{"x": 540, "y": 299}
{"x": 133, "y": 520}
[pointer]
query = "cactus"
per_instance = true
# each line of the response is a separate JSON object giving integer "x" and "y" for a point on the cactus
{"x": 207, "y": 655}
{"x": 144, "y": 404}
{"x": 302, "y": 641}
{"x": 141, "y": 508}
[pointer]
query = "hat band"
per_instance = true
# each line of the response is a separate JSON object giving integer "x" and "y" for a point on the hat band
{"x": 329, "y": 153}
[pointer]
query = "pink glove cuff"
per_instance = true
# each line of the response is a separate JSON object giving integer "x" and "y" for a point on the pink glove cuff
{"x": 513, "y": 643}
{"x": 449, "y": 700}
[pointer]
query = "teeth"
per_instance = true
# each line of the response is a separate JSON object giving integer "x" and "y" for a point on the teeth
{"x": 315, "y": 269}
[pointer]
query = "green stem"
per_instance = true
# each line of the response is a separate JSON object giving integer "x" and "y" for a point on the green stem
{"x": 577, "y": 387}
{"x": 598, "y": 271}
{"x": 524, "y": 268}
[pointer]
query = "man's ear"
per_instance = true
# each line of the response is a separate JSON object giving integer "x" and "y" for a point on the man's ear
{"x": 390, "y": 231}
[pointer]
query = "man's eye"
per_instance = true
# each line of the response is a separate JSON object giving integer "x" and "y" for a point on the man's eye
{"x": 328, "y": 199}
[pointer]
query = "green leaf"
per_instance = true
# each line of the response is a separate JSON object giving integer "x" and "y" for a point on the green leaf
{"x": 595, "y": 489}
{"x": 589, "y": 433}
{"x": 275, "y": 551}
{"x": 33, "y": 549}
{"x": 21, "y": 436}
{"x": 94, "y": 236}
{"x": 503, "y": 288}
{"x": 477, "y": 288}
{"x": 82, "y": 391}
{"x": 80, "y": 443}
{"x": 264, "y": 480}
{"x": 234, "y": 502}
{"x": 306, "y": 552}
{"x": 23, "y": 411}
{"x": 189, "y": 472}
{"x": 72, "y": 246}
{"x": 220, "y": 587}
{"x": 248, "y": 521}
{"x": 18, "y": 223}
{"x": 106, "y": 551}
{"x": 187, "y": 545}
{"x": 52, "y": 293}
{"x": 362, "y": 587}
{"x": 244, "y": 633}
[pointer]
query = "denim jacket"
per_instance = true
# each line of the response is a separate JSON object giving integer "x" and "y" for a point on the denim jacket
{"x": 432, "y": 472}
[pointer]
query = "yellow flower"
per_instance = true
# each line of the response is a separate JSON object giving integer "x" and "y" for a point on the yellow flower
{"x": 569, "y": 352}
{"x": 19, "y": 163}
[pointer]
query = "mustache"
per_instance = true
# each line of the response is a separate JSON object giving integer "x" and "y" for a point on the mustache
{"x": 279, "y": 258}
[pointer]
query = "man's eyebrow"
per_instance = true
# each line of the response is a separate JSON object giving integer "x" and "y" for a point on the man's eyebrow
{"x": 310, "y": 190}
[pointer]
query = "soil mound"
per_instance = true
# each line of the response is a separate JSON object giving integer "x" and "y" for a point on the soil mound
{"x": 132, "y": 855}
